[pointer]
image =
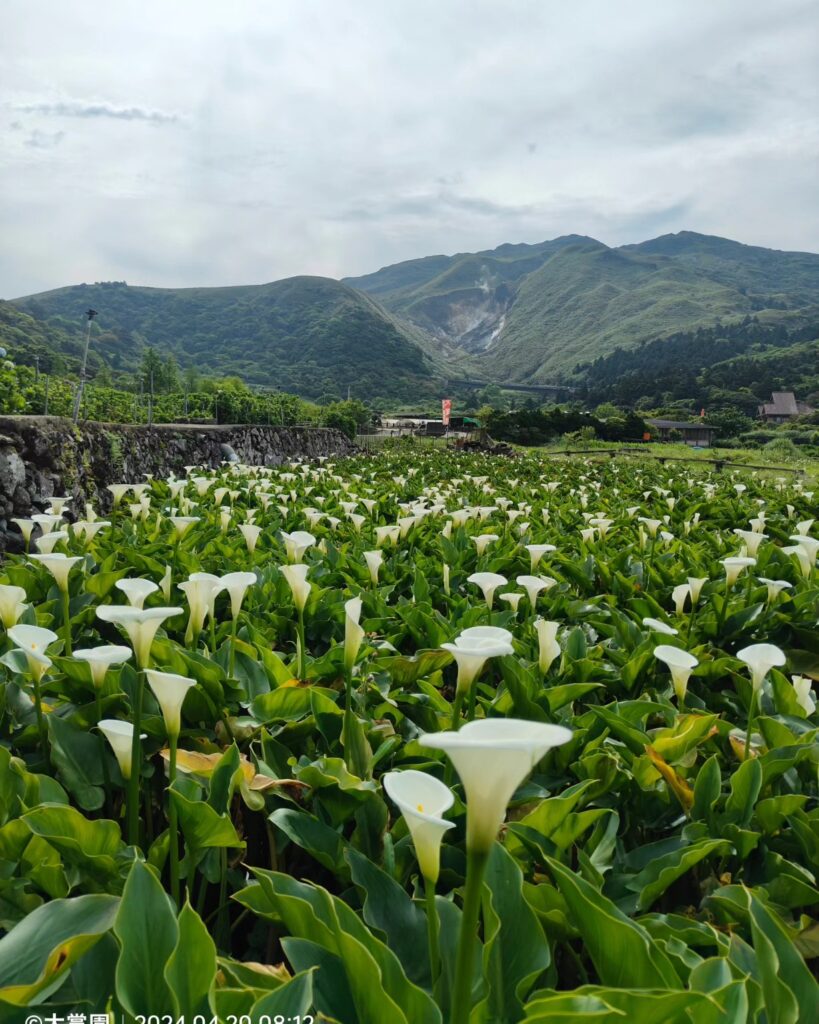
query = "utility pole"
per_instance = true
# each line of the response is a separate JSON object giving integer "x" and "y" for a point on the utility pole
{"x": 90, "y": 313}
{"x": 151, "y": 401}
{"x": 45, "y": 410}
{"x": 36, "y": 369}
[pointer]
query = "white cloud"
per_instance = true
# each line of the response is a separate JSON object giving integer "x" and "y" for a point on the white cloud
{"x": 205, "y": 143}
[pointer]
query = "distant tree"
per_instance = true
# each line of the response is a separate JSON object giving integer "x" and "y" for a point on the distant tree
{"x": 492, "y": 396}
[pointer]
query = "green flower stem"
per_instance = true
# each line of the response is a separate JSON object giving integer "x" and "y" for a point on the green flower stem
{"x": 41, "y": 726}
{"x": 106, "y": 777}
{"x": 136, "y": 763}
{"x": 212, "y": 635}
{"x": 476, "y": 861}
{"x": 433, "y": 929}
{"x": 223, "y": 914}
{"x": 300, "y": 642}
{"x": 473, "y": 696}
{"x": 173, "y": 824}
{"x": 232, "y": 657}
{"x": 751, "y": 716}
{"x": 67, "y": 622}
{"x": 456, "y": 710}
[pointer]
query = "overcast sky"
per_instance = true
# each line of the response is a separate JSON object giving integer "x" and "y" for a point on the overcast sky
{"x": 206, "y": 142}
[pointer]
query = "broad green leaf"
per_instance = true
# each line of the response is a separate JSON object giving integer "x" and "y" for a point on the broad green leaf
{"x": 791, "y": 991}
{"x": 191, "y": 969}
{"x": 662, "y": 872}
{"x": 148, "y": 933}
{"x": 515, "y": 951}
{"x": 292, "y": 1000}
{"x": 388, "y": 908}
{"x": 624, "y": 954}
{"x": 91, "y": 846}
{"x": 36, "y": 955}
{"x": 78, "y": 758}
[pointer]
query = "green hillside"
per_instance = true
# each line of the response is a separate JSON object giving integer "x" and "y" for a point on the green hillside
{"x": 734, "y": 364}
{"x": 462, "y": 301}
{"x": 310, "y": 335}
{"x": 531, "y": 313}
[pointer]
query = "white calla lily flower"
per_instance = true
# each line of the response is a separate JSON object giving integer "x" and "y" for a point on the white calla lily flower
{"x": 536, "y": 552}
{"x": 681, "y": 664}
{"x": 296, "y": 544}
{"x": 121, "y": 737}
{"x": 12, "y": 604}
{"x": 493, "y": 756}
{"x": 296, "y": 576}
{"x": 140, "y": 624}
{"x": 488, "y": 582}
{"x": 136, "y": 590}
{"x": 760, "y": 659}
{"x": 804, "y": 693}
{"x": 374, "y": 560}
{"x": 422, "y": 800}
{"x": 237, "y": 585}
{"x": 58, "y": 565}
{"x": 251, "y": 535}
{"x": 548, "y": 647}
{"x": 100, "y": 659}
{"x": 734, "y": 566}
{"x": 353, "y": 633}
{"x": 533, "y": 585}
{"x": 170, "y": 691}
{"x": 34, "y": 641}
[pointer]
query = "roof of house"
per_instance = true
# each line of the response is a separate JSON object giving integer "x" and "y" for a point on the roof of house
{"x": 679, "y": 425}
{"x": 783, "y": 404}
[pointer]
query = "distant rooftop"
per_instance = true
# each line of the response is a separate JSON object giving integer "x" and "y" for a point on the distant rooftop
{"x": 679, "y": 424}
{"x": 783, "y": 404}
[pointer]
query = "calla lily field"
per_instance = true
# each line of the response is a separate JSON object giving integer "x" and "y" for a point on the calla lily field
{"x": 427, "y": 737}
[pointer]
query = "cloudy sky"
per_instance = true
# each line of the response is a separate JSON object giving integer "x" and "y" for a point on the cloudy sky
{"x": 199, "y": 142}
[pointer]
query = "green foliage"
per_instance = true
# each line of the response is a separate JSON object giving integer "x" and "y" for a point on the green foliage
{"x": 647, "y": 870}
{"x": 309, "y": 335}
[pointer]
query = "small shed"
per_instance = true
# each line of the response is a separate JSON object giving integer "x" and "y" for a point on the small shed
{"x": 696, "y": 434}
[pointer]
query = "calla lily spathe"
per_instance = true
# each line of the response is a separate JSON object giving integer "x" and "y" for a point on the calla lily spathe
{"x": 170, "y": 691}
{"x": 488, "y": 582}
{"x": 422, "y": 800}
{"x": 473, "y": 648}
{"x": 237, "y": 584}
{"x": 296, "y": 576}
{"x": 353, "y": 633}
{"x": 681, "y": 665}
{"x": 34, "y": 641}
{"x": 100, "y": 659}
{"x": 296, "y": 544}
{"x": 58, "y": 565}
{"x": 760, "y": 659}
{"x": 493, "y": 756}
{"x": 136, "y": 590}
{"x": 548, "y": 647}
{"x": 374, "y": 560}
{"x": 140, "y": 624}
{"x": 12, "y": 604}
{"x": 121, "y": 737}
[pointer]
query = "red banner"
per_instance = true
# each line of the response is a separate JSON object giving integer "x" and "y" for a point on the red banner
{"x": 446, "y": 409}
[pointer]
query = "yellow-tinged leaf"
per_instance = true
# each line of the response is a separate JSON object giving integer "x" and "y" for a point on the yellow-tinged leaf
{"x": 680, "y": 788}
{"x": 194, "y": 763}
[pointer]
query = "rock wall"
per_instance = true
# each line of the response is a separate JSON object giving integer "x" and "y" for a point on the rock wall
{"x": 41, "y": 456}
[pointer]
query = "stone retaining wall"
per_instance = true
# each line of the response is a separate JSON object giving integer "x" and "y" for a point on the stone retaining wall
{"x": 45, "y": 455}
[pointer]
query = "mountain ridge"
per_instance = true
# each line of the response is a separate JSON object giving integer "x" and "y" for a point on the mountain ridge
{"x": 519, "y": 313}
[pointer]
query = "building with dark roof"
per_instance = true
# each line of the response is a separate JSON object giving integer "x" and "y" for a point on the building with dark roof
{"x": 783, "y": 407}
{"x": 697, "y": 434}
